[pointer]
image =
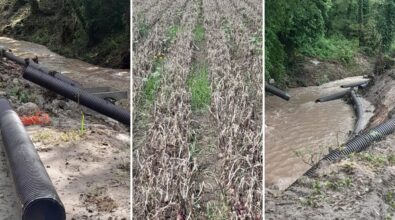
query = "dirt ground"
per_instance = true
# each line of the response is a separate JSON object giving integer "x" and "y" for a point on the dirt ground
{"x": 358, "y": 187}
{"x": 89, "y": 167}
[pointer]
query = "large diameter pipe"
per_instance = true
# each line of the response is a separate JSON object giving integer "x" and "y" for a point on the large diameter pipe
{"x": 77, "y": 94}
{"x": 12, "y": 57}
{"x": 358, "y": 143}
{"x": 359, "y": 113}
{"x": 54, "y": 74}
{"x": 335, "y": 96}
{"x": 356, "y": 84}
{"x": 34, "y": 188}
{"x": 277, "y": 92}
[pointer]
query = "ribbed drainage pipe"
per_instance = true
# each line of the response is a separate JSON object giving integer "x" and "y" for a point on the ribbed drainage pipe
{"x": 54, "y": 74}
{"x": 78, "y": 95}
{"x": 34, "y": 188}
{"x": 356, "y": 84}
{"x": 358, "y": 111}
{"x": 335, "y": 96}
{"x": 277, "y": 92}
{"x": 359, "y": 143}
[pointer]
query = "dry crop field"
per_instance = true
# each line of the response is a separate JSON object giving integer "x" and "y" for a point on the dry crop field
{"x": 197, "y": 94}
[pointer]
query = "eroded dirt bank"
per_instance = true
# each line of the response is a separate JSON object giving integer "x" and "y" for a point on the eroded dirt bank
{"x": 89, "y": 167}
{"x": 358, "y": 187}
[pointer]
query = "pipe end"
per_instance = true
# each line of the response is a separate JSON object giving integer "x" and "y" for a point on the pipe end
{"x": 44, "y": 209}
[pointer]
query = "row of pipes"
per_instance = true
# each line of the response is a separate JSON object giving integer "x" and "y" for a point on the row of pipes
{"x": 359, "y": 140}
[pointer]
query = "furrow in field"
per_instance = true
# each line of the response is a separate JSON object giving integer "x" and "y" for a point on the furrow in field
{"x": 236, "y": 105}
{"x": 162, "y": 168}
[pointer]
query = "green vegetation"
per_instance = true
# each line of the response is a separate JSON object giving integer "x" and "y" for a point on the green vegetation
{"x": 327, "y": 29}
{"x": 94, "y": 31}
{"x": 143, "y": 29}
{"x": 151, "y": 84}
{"x": 199, "y": 33}
{"x": 332, "y": 48}
{"x": 321, "y": 187}
{"x": 199, "y": 86}
{"x": 377, "y": 160}
{"x": 172, "y": 32}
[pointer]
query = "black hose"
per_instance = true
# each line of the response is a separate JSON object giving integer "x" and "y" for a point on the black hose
{"x": 276, "y": 91}
{"x": 54, "y": 74}
{"x": 358, "y": 111}
{"x": 358, "y": 143}
{"x": 335, "y": 96}
{"x": 78, "y": 95}
{"x": 34, "y": 188}
{"x": 356, "y": 84}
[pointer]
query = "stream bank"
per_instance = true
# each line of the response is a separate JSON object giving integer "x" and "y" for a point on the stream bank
{"x": 358, "y": 187}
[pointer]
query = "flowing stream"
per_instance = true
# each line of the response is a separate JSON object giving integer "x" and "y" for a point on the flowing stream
{"x": 86, "y": 74}
{"x": 300, "y": 131}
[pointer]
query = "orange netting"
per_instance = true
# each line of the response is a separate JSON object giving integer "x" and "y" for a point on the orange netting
{"x": 38, "y": 119}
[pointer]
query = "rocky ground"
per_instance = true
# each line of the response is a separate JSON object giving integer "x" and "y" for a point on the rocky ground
{"x": 358, "y": 187}
{"x": 87, "y": 158}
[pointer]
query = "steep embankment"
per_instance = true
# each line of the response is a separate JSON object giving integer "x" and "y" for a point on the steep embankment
{"x": 93, "y": 31}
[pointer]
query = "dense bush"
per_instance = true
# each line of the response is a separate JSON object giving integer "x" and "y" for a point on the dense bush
{"x": 327, "y": 29}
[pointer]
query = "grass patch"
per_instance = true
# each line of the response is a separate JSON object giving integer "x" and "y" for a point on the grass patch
{"x": 151, "y": 84}
{"x": 171, "y": 33}
{"x": 377, "y": 160}
{"x": 199, "y": 86}
{"x": 143, "y": 29}
{"x": 332, "y": 48}
{"x": 199, "y": 33}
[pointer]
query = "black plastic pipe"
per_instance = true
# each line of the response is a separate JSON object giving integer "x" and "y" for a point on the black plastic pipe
{"x": 34, "y": 188}
{"x": 359, "y": 143}
{"x": 77, "y": 94}
{"x": 358, "y": 111}
{"x": 335, "y": 96}
{"x": 54, "y": 74}
{"x": 276, "y": 91}
{"x": 12, "y": 57}
{"x": 355, "y": 84}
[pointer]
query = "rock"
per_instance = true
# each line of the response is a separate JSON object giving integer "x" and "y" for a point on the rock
{"x": 15, "y": 81}
{"x": 28, "y": 109}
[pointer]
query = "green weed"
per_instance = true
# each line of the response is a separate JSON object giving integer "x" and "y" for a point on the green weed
{"x": 152, "y": 82}
{"x": 199, "y": 33}
{"x": 143, "y": 29}
{"x": 199, "y": 86}
{"x": 171, "y": 33}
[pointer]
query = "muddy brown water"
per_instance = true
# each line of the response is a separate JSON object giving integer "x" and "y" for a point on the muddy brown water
{"x": 87, "y": 74}
{"x": 300, "y": 128}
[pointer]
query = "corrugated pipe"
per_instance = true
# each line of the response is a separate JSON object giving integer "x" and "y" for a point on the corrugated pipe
{"x": 54, "y": 74}
{"x": 358, "y": 111}
{"x": 335, "y": 96}
{"x": 359, "y": 143}
{"x": 356, "y": 84}
{"x": 77, "y": 94}
{"x": 34, "y": 188}
{"x": 276, "y": 91}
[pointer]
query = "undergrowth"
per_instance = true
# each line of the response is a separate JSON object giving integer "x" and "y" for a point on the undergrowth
{"x": 332, "y": 48}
